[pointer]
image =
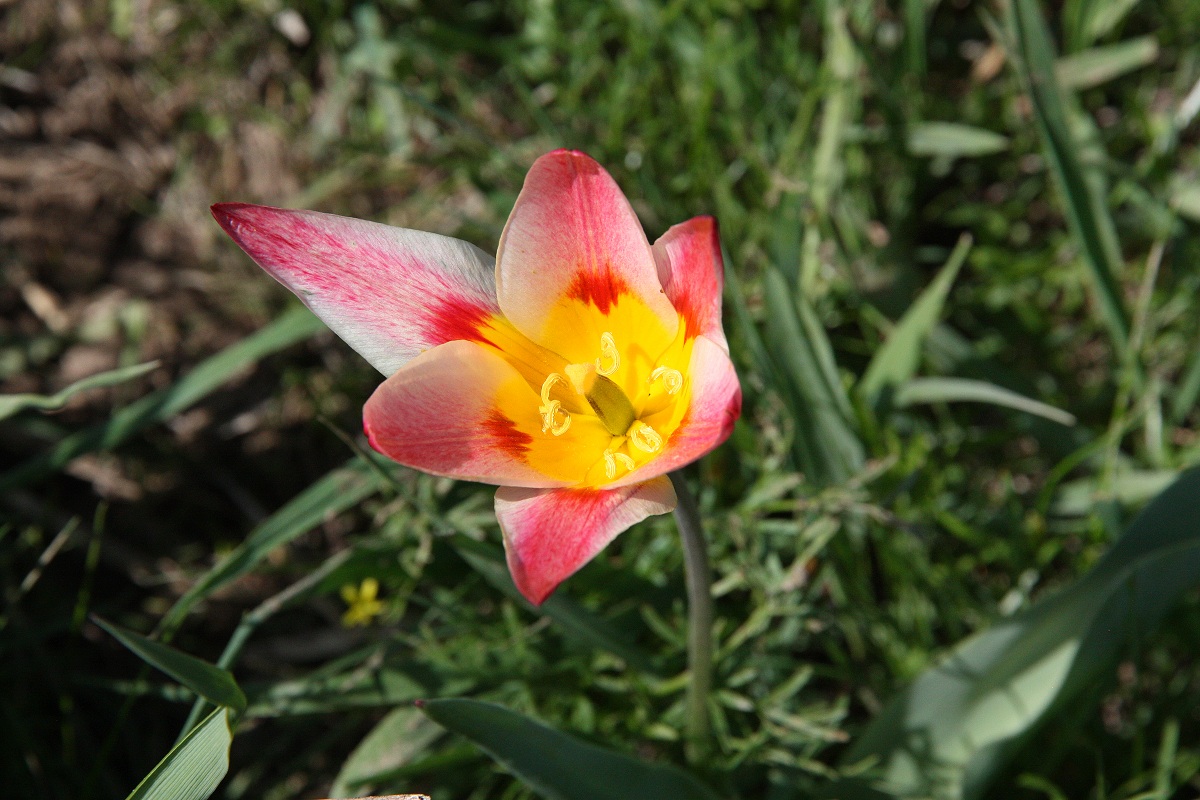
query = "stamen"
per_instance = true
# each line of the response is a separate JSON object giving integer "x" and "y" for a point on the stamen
{"x": 644, "y": 437}
{"x": 672, "y": 378}
{"x": 550, "y": 409}
{"x": 608, "y": 350}
{"x": 611, "y": 460}
{"x": 549, "y": 423}
{"x": 548, "y": 384}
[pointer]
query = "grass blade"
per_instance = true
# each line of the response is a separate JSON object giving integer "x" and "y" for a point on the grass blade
{"x": 960, "y": 390}
{"x": 402, "y": 736}
{"x": 332, "y": 494}
{"x": 1091, "y": 225}
{"x": 573, "y": 618}
{"x": 1097, "y": 65}
{"x": 212, "y": 683}
{"x": 12, "y": 403}
{"x": 826, "y": 447}
{"x": 559, "y": 766}
{"x": 194, "y": 767}
{"x": 896, "y": 362}
{"x": 953, "y": 140}
{"x": 294, "y": 326}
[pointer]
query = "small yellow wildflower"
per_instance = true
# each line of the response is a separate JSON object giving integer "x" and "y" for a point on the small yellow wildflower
{"x": 362, "y": 603}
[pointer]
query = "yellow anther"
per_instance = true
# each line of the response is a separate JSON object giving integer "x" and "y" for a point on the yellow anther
{"x": 611, "y": 460}
{"x": 549, "y": 412}
{"x": 608, "y": 351}
{"x": 550, "y": 409}
{"x": 672, "y": 378}
{"x": 644, "y": 437}
{"x": 548, "y": 384}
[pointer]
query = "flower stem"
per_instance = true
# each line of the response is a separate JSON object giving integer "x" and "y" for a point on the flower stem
{"x": 700, "y": 621}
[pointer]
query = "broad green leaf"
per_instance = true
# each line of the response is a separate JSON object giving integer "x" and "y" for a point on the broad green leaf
{"x": 958, "y": 390}
{"x": 1098, "y": 65}
{"x": 953, "y": 140}
{"x": 826, "y": 447}
{"x": 896, "y": 362}
{"x": 194, "y": 767}
{"x": 559, "y": 766}
{"x": 572, "y": 618}
{"x": 401, "y": 736}
{"x": 212, "y": 683}
{"x": 1083, "y": 193}
{"x": 12, "y": 403}
{"x": 951, "y": 732}
{"x": 332, "y": 494}
{"x": 294, "y": 326}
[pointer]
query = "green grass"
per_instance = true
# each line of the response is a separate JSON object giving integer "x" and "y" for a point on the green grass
{"x": 860, "y": 528}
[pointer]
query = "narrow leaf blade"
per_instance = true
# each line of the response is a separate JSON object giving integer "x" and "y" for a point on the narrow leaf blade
{"x": 1091, "y": 224}
{"x": 292, "y": 327}
{"x": 574, "y": 619}
{"x": 959, "y": 390}
{"x": 194, "y": 767}
{"x": 953, "y": 140}
{"x": 896, "y": 362}
{"x": 212, "y": 683}
{"x": 12, "y": 403}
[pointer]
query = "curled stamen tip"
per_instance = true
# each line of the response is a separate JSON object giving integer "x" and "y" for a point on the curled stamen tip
{"x": 645, "y": 438}
{"x": 672, "y": 378}
{"x": 610, "y": 466}
{"x": 608, "y": 350}
{"x": 549, "y": 411}
{"x": 548, "y": 384}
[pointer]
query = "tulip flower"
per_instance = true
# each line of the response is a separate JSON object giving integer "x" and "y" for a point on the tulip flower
{"x": 574, "y": 370}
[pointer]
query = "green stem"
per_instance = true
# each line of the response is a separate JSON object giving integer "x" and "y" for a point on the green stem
{"x": 700, "y": 621}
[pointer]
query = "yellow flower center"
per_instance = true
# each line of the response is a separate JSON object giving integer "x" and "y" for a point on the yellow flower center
{"x": 610, "y": 404}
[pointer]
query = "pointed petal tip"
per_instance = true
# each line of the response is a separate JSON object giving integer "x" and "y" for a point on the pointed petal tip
{"x": 551, "y": 533}
{"x": 223, "y": 212}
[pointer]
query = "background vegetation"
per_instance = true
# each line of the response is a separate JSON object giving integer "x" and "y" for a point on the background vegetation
{"x": 961, "y": 245}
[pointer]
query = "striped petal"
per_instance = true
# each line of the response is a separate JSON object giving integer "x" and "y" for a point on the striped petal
{"x": 549, "y": 534}
{"x": 390, "y": 293}
{"x": 572, "y": 255}
{"x": 463, "y": 411}
{"x": 701, "y": 424}
{"x": 692, "y": 274}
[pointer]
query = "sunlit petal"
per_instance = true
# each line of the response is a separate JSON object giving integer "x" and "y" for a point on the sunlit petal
{"x": 549, "y": 534}
{"x": 390, "y": 293}
{"x": 692, "y": 274}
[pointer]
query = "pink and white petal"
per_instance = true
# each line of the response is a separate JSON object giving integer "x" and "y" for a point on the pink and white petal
{"x": 572, "y": 237}
{"x": 692, "y": 274}
{"x": 551, "y": 533}
{"x": 461, "y": 411}
{"x": 389, "y": 292}
{"x": 714, "y": 406}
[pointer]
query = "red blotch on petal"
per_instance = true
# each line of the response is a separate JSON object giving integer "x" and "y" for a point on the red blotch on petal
{"x": 506, "y": 436}
{"x": 601, "y": 289}
{"x": 458, "y": 318}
